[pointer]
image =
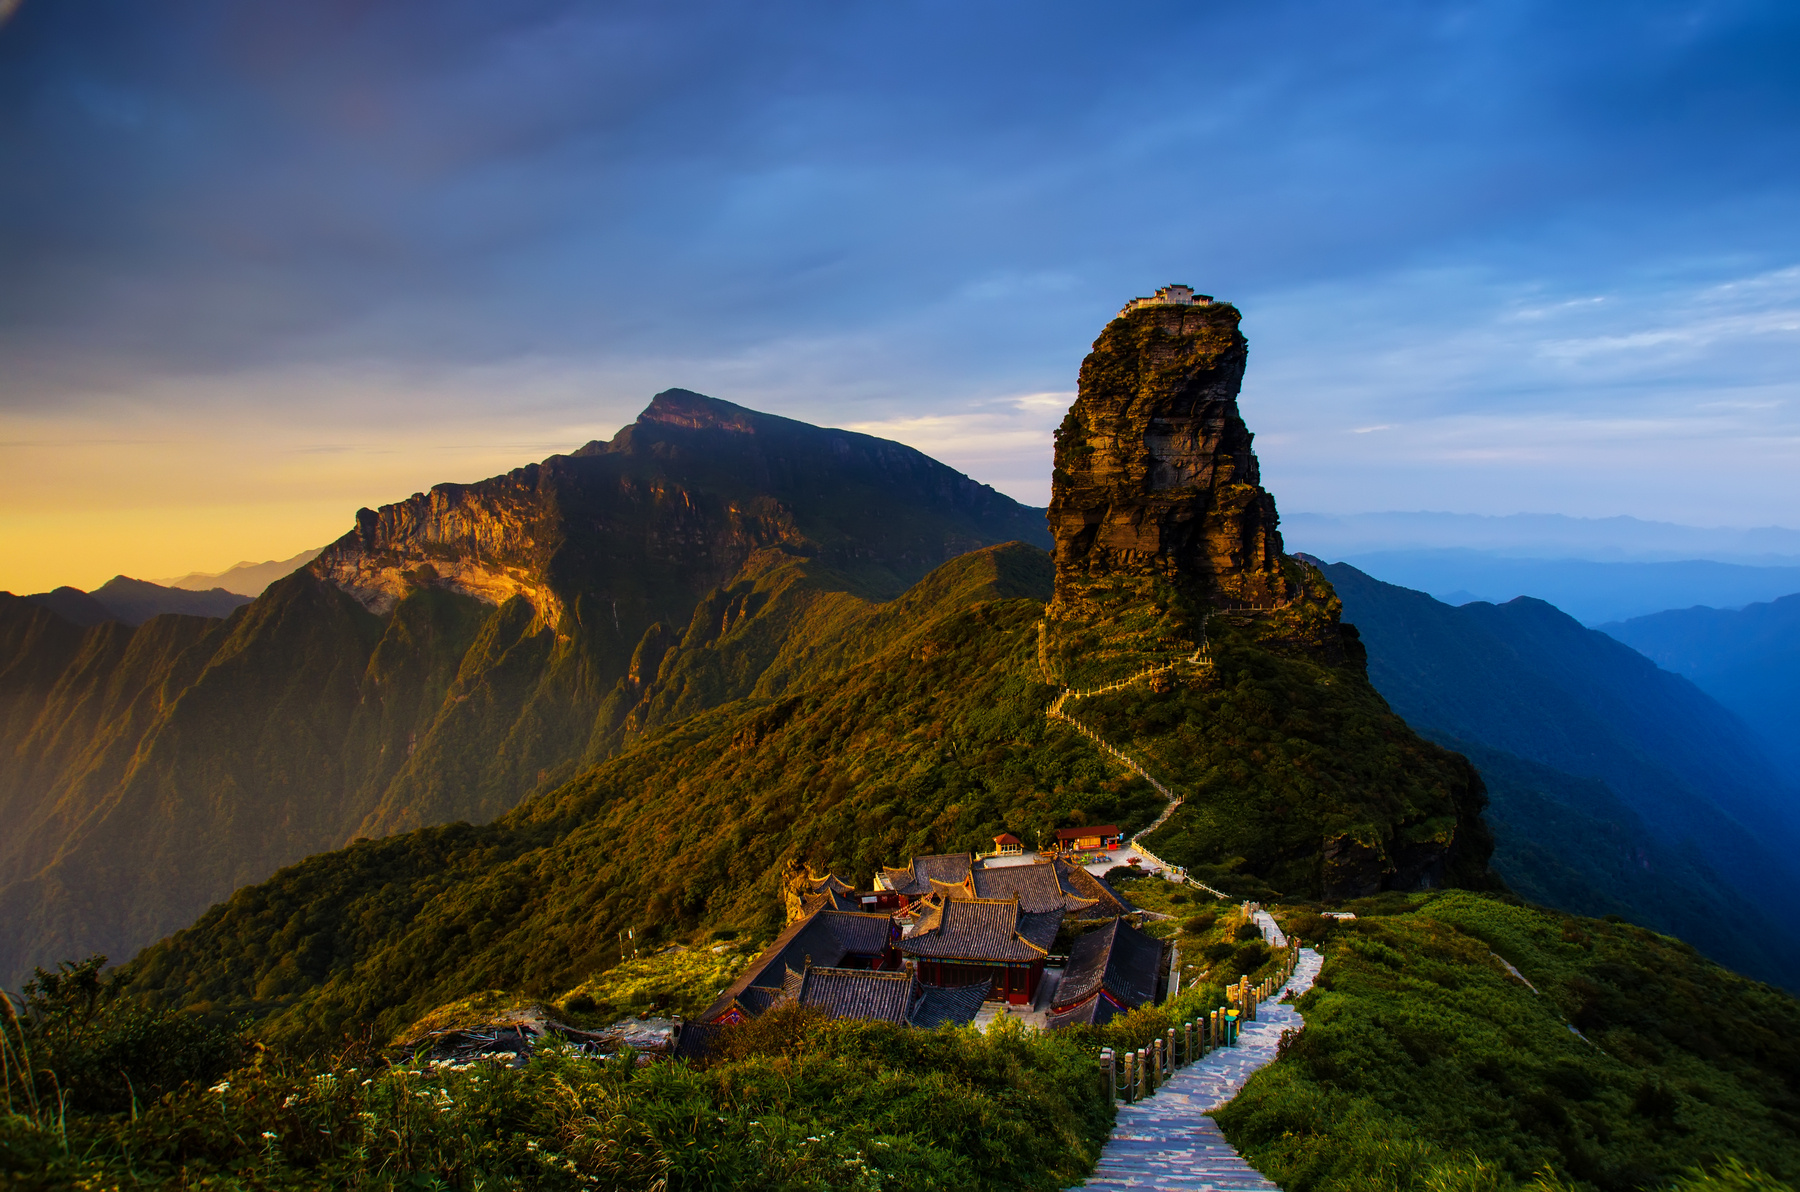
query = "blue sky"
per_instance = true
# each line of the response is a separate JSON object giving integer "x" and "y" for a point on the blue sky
{"x": 262, "y": 263}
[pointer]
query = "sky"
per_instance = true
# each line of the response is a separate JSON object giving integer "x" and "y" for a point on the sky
{"x": 264, "y": 263}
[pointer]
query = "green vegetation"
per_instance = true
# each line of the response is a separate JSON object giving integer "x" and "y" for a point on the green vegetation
{"x": 873, "y": 732}
{"x": 77, "y": 1045}
{"x": 681, "y": 981}
{"x": 1278, "y": 752}
{"x": 792, "y": 1101}
{"x": 1426, "y": 1064}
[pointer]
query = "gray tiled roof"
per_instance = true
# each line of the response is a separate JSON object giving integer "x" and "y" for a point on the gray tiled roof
{"x": 828, "y": 899}
{"x": 954, "y": 1005}
{"x": 1079, "y": 883}
{"x": 858, "y": 993}
{"x": 978, "y": 929}
{"x": 823, "y": 938}
{"x": 1117, "y": 957}
{"x": 1078, "y": 1015}
{"x": 916, "y": 880}
{"x": 1041, "y": 928}
{"x": 1038, "y": 887}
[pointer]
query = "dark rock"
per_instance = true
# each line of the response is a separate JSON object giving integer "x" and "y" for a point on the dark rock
{"x": 1155, "y": 476}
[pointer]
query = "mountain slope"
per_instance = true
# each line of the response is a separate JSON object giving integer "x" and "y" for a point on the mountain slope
{"x": 877, "y": 731}
{"x": 450, "y": 655}
{"x": 1748, "y": 659}
{"x": 1525, "y": 680}
{"x": 805, "y": 716}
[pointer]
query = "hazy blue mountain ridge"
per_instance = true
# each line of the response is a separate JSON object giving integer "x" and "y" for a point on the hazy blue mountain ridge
{"x": 1526, "y": 680}
{"x": 1748, "y": 659}
{"x": 1592, "y": 592}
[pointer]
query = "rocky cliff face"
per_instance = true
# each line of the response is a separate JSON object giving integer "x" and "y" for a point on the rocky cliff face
{"x": 637, "y": 528}
{"x": 1155, "y": 476}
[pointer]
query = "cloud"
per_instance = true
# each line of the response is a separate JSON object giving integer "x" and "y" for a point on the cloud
{"x": 1471, "y": 228}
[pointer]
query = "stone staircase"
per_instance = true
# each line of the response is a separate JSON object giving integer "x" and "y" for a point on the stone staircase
{"x": 1168, "y": 1141}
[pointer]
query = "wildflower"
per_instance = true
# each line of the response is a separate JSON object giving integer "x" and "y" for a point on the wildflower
{"x": 220, "y": 1087}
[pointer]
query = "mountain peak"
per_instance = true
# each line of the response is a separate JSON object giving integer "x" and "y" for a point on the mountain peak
{"x": 1155, "y": 477}
{"x": 696, "y": 411}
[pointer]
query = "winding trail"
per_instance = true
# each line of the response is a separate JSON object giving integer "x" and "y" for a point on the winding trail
{"x": 1056, "y": 711}
{"x": 1169, "y": 1140}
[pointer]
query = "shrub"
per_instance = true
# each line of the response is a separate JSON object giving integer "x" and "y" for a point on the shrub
{"x": 1200, "y": 924}
{"x": 1122, "y": 873}
{"x": 1246, "y": 959}
{"x": 793, "y": 1102}
{"x": 95, "y": 1050}
{"x": 1247, "y": 931}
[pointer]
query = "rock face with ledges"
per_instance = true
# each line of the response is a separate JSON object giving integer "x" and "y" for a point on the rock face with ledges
{"x": 1155, "y": 475}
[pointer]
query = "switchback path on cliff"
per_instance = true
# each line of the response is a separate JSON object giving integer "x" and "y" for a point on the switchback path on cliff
{"x": 1169, "y": 1140}
{"x": 1056, "y": 712}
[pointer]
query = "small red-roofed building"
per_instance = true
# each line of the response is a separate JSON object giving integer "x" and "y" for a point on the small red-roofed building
{"x": 1097, "y": 838}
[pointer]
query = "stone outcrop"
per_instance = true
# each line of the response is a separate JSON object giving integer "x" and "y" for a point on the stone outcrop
{"x": 1155, "y": 476}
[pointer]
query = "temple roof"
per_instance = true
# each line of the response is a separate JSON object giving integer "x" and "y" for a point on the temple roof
{"x": 828, "y": 899}
{"x": 952, "y": 1005}
{"x": 1038, "y": 887}
{"x": 1079, "y": 883}
{"x": 980, "y": 929}
{"x": 857, "y": 993}
{"x": 915, "y": 881}
{"x": 824, "y": 937}
{"x": 963, "y": 890}
{"x": 1081, "y": 1014}
{"x": 1119, "y": 958}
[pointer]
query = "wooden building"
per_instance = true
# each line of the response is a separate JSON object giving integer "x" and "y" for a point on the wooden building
{"x": 1098, "y": 838}
{"x": 825, "y": 937}
{"x": 1111, "y": 970}
{"x": 962, "y": 941}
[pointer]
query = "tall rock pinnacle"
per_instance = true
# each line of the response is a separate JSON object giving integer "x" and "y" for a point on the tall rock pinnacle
{"x": 1155, "y": 478}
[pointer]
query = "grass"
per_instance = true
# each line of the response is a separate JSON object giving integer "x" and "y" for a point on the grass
{"x": 1426, "y": 1064}
{"x": 794, "y": 1102}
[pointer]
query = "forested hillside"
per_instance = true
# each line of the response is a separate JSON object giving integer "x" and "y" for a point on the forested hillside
{"x": 858, "y": 733}
{"x": 1747, "y": 658}
{"x": 1616, "y": 787}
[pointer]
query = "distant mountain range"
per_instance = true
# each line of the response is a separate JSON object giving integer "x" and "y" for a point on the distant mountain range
{"x": 1591, "y": 592}
{"x": 1539, "y": 536}
{"x": 1748, "y": 659}
{"x": 1616, "y": 787}
{"x": 246, "y": 579}
{"x": 134, "y": 601}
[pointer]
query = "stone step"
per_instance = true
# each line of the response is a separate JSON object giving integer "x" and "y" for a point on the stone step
{"x": 1167, "y": 1141}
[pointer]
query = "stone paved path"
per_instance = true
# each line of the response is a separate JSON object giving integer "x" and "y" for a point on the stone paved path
{"x": 1167, "y": 1140}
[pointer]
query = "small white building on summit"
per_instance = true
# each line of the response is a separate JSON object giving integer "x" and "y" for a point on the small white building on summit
{"x": 1169, "y": 296}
